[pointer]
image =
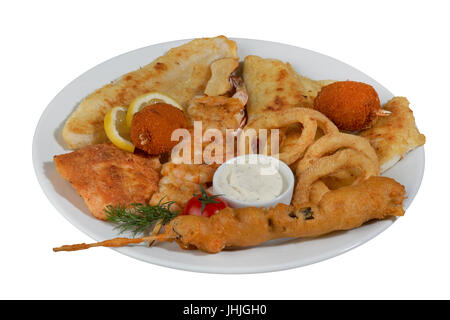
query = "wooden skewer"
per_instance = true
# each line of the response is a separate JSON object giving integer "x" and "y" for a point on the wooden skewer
{"x": 116, "y": 242}
{"x": 155, "y": 231}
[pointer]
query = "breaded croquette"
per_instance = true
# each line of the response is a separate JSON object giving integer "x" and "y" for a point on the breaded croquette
{"x": 152, "y": 127}
{"x": 351, "y": 105}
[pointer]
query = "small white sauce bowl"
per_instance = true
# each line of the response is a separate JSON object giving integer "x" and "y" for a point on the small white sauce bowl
{"x": 286, "y": 173}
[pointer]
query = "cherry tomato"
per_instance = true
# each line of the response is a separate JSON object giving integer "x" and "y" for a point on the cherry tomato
{"x": 204, "y": 204}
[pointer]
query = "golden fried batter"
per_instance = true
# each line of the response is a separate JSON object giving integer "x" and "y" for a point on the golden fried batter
{"x": 343, "y": 209}
{"x": 182, "y": 73}
{"x": 105, "y": 175}
{"x": 394, "y": 136}
{"x": 221, "y": 70}
{"x": 274, "y": 86}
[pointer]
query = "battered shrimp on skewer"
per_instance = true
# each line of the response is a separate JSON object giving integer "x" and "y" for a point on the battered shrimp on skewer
{"x": 342, "y": 209}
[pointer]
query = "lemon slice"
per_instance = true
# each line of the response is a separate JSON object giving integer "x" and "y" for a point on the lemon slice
{"x": 117, "y": 130}
{"x": 147, "y": 99}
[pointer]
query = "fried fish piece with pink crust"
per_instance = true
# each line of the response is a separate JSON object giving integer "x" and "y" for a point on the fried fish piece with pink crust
{"x": 105, "y": 175}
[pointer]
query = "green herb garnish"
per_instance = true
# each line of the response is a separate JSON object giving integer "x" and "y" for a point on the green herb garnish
{"x": 139, "y": 217}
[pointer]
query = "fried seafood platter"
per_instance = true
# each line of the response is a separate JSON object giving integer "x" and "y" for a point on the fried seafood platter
{"x": 212, "y": 147}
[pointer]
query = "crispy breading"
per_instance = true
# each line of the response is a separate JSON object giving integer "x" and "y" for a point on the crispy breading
{"x": 351, "y": 105}
{"x": 181, "y": 73}
{"x": 395, "y": 135}
{"x": 105, "y": 175}
{"x": 152, "y": 127}
{"x": 273, "y": 85}
{"x": 310, "y": 88}
{"x": 221, "y": 70}
{"x": 343, "y": 209}
{"x": 216, "y": 112}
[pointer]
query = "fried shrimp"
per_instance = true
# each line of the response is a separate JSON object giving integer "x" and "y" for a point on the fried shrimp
{"x": 351, "y": 105}
{"x": 216, "y": 112}
{"x": 220, "y": 112}
{"x": 343, "y": 209}
{"x": 180, "y": 181}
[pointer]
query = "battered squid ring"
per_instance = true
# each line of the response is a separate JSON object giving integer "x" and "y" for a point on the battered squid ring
{"x": 324, "y": 166}
{"x": 330, "y": 143}
{"x": 308, "y": 118}
{"x": 323, "y": 122}
{"x": 318, "y": 190}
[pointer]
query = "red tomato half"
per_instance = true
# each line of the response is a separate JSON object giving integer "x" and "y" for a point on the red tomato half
{"x": 194, "y": 205}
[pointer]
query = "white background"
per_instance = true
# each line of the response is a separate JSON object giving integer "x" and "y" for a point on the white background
{"x": 45, "y": 44}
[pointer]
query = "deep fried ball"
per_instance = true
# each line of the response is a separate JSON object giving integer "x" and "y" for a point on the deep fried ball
{"x": 152, "y": 127}
{"x": 351, "y": 105}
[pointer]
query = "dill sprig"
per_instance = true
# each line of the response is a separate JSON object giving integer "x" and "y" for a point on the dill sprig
{"x": 138, "y": 217}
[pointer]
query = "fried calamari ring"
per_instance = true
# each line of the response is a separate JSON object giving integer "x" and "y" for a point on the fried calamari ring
{"x": 341, "y": 178}
{"x": 325, "y": 166}
{"x": 330, "y": 143}
{"x": 318, "y": 190}
{"x": 309, "y": 119}
{"x": 323, "y": 122}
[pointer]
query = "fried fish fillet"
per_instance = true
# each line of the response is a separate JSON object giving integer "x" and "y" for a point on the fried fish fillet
{"x": 395, "y": 135}
{"x": 181, "y": 73}
{"x": 273, "y": 85}
{"x": 105, "y": 175}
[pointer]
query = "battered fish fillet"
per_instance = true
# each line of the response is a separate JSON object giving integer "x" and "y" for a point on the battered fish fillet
{"x": 105, "y": 175}
{"x": 395, "y": 135}
{"x": 273, "y": 85}
{"x": 181, "y": 73}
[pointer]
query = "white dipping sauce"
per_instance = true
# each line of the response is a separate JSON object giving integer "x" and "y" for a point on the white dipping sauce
{"x": 251, "y": 182}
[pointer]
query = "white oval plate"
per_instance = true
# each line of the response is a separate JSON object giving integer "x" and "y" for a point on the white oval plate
{"x": 275, "y": 255}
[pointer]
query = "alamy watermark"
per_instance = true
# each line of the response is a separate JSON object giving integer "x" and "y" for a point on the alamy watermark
{"x": 216, "y": 146}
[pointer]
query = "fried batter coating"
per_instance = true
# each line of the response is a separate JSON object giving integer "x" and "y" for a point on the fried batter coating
{"x": 181, "y": 73}
{"x": 343, "y": 209}
{"x": 275, "y": 86}
{"x": 351, "y": 105}
{"x": 394, "y": 136}
{"x": 105, "y": 175}
{"x": 221, "y": 70}
{"x": 152, "y": 127}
